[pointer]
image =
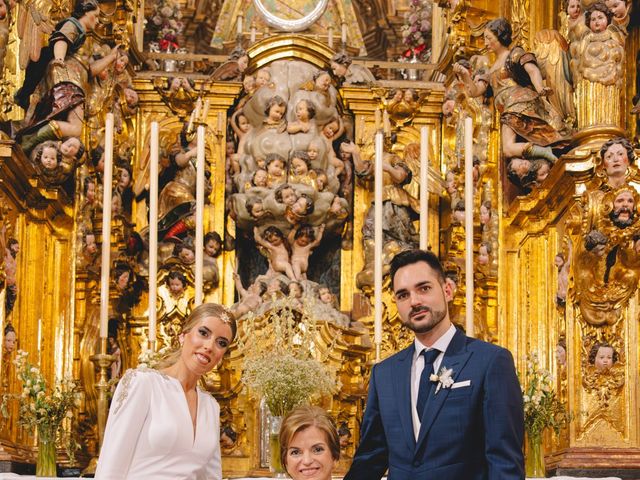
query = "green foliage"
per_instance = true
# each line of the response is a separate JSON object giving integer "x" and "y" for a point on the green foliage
{"x": 41, "y": 409}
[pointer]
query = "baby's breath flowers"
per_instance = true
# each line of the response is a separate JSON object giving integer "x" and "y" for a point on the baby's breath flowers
{"x": 281, "y": 363}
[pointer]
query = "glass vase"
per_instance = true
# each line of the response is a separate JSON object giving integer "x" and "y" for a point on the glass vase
{"x": 275, "y": 465}
{"x": 46, "y": 461}
{"x": 534, "y": 460}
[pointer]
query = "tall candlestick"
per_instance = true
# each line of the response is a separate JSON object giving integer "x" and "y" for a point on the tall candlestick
{"x": 424, "y": 188}
{"x": 199, "y": 214}
{"x": 106, "y": 227}
{"x": 239, "y": 25}
{"x": 468, "y": 222}
{"x": 344, "y": 34}
{"x": 330, "y": 36}
{"x": 153, "y": 229}
{"x": 378, "y": 241}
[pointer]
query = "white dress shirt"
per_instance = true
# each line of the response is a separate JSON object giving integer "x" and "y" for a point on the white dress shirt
{"x": 417, "y": 366}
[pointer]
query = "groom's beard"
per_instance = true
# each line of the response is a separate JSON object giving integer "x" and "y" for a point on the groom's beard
{"x": 424, "y": 326}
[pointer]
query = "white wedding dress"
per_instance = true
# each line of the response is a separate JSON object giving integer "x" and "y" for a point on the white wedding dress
{"x": 149, "y": 433}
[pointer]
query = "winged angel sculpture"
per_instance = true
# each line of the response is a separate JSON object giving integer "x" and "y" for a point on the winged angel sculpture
{"x": 57, "y": 83}
{"x": 536, "y": 116}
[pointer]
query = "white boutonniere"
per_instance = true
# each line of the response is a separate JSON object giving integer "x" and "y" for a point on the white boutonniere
{"x": 444, "y": 379}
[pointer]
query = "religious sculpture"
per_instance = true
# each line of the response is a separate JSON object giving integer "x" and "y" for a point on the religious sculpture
{"x": 351, "y": 74}
{"x": 57, "y": 83}
{"x": 400, "y": 207}
{"x": 608, "y": 262}
{"x": 9, "y": 248}
{"x": 531, "y": 126}
{"x": 597, "y": 63}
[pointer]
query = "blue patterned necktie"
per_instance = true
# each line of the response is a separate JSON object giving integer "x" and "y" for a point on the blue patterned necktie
{"x": 425, "y": 384}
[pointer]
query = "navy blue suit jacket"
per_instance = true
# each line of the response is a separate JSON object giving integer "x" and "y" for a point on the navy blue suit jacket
{"x": 468, "y": 433}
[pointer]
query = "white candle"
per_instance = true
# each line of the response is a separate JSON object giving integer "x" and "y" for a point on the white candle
{"x": 378, "y": 240}
{"x": 40, "y": 341}
{"x": 424, "y": 188}
{"x": 199, "y": 214}
{"x": 330, "y": 37}
{"x": 253, "y": 33}
{"x": 239, "y": 25}
{"x": 153, "y": 229}
{"x": 197, "y": 110}
{"x": 344, "y": 34}
{"x": 468, "y": 222}
{"x": 106, "y": 227}
{"x": 191, "y": 120}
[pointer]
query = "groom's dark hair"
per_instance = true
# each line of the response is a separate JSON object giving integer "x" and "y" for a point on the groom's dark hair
{"x": 409, "y": 257}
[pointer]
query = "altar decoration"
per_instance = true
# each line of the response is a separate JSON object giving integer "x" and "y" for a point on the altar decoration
{"x": 43, "y": 411}
{"x": 542, "y": 410}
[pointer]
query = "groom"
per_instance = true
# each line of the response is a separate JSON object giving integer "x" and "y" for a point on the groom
{"x": 462, "y": 419}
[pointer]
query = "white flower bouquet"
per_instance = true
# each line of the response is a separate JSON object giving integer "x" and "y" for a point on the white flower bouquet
{"x": 281, "y": 362}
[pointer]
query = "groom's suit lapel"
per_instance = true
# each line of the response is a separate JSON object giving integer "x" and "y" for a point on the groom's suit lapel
{"x": 456, "y": 357}
{"x": 402, "y": 388}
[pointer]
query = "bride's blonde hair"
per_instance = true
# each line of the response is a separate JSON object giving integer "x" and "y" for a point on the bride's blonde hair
{"x": 200, "y": 312}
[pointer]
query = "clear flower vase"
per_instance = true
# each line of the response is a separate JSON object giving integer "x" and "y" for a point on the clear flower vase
{"x": 275, "y": 465}
{"x": 534, "y": 459}
{"x": 46, "y": 461}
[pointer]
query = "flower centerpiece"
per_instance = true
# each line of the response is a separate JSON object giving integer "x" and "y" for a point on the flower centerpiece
{"x": 166, "y": 22}
{"x": 43, "y": 410}
{"x": 542, "y": 410}
{"x": 282, "y": 364}
{"x": 416, "y": 31}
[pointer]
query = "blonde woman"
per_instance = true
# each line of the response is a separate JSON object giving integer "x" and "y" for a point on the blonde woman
{"x": 161, "y": 426}
{"x": 309, "y": 444}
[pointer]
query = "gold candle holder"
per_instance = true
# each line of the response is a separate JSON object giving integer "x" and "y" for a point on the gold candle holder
{"x": 103, "y": 361}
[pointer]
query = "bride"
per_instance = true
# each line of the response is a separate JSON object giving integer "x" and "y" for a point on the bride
{"x": 161, "y": 426}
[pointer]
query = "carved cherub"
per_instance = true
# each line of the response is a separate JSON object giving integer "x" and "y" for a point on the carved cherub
{"x": 250, "y": 298}
{"x": 276, "y": 170}
{"x": 275, "y": 114}
{"x": 301, "y": 208}
{"x": 563, "y": 264}
{"x": 599, "y": 56}
{"x": 300, "y": 169}
{"x": 212, "y": 250}
{"x": 351, "y": 74}
{"x": 273, "y": 240}
{"x": 603, "y": 356}
{"x": 305, "y": 112}
{"x": 303, "y": 240}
